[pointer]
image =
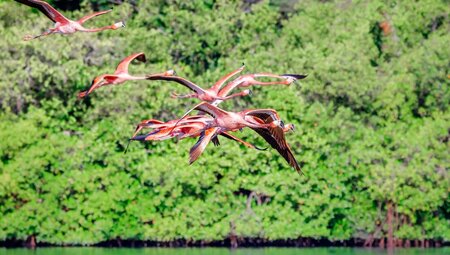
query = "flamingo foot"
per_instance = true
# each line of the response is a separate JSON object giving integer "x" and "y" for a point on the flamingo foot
{"x": 28, "y": 37}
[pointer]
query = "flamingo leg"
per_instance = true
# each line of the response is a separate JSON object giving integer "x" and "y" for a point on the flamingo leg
{"x": 240, "y": 94}
{"x": 175, "y": 95}
{"x": 246, "y": 144}
{"x": 31, "y": 37}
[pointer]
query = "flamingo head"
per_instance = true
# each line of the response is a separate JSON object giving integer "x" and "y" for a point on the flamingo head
{"x": 290, "y": 78}
{"x": 248, "y": 92}
{"x": 96, "y": 83}
{"x": 170, "y": 72}
{"x": 118, "y": 25}
{"x": 277, "y": 123}
{"x": 289, "y": 127}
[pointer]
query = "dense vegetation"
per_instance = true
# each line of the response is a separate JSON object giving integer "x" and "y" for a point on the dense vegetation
{"x": 372, "y": 124}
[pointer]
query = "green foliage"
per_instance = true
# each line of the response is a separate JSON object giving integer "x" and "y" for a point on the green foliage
{"x": 372, "y": 123}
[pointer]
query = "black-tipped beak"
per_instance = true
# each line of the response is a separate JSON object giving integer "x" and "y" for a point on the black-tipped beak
{"x": 138, "y": 138}
{"x": 260, "y": 149}
{"x": 296, "y": 76}
{"x": 292, "y": 127}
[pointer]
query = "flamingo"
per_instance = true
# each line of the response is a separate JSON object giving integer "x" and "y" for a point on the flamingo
{"x": 265, "y": 122}
{"x": 216, "y": 94}
{"x": 207, "y": 95}
{"x": 193, "y": 126}
{"x": 64, "y": 25}
{"x": 248, "y": 80}
{"x": 121, "y": 75}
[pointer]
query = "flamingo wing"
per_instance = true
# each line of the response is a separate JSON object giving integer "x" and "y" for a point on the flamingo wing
{"x": 275, "y": 137}
{"x": 123, "y": 65}
{"x": 188, "y": 84}
{"x": 264, "y": 114}
{"x": 232, "y": 85}
{"x": 90, "y": 16}
{"x": 216, "y": 87}
{"x": 201, "y": 144}
{"x": 205, "y": 107}
{"x": 47, "y": 9}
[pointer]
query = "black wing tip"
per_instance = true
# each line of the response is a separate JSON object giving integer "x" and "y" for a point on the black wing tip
{"x": 296, "y": 76}
{"x": 138, "y": 138}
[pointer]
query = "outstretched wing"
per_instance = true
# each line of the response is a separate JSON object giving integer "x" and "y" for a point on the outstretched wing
{"x": 46, "y": 9}
{"x": 275, "y": 137}
{"x": 123, "y": 65}
{"x": 90, "y": 16}
{"x": 201, "y": 144}
{"x": 220, "y": 82}
{"x": 231, "y": 85}
{"x": 188, "y": 84}
{"x": 203, "y": 107}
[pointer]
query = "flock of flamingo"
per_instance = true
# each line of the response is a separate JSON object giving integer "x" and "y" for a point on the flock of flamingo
{"x": 210, "y": 121}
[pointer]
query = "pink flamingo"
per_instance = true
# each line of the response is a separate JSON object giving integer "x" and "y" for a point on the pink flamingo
{"x": 265, "y": 122}
{"x": 193, "y": 126}
{"x": 121, "y": 75}
{"x": 215, "y": 94}
{"x": 207, "y": 95}
{"x": 64, "y": 25}
{"x": 248, "y": 80}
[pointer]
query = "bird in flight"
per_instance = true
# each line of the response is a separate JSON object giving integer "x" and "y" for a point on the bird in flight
{"x": 217, "y": 94}
{"x": 121, "y": 75}
{"x": 191, "y": 126}
{"x": 64, "y": 25}
{"x": 265, "y": 122}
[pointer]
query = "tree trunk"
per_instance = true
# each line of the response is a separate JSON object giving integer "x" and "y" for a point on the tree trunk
{"x": 381, "y": 244}
{"x": 31, "y": 242}
{"x": 233, "y": 237}
{"x": 407, "y": 243}
{"x": 390, "y": 217}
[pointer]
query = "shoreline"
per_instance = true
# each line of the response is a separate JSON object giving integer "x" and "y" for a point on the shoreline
{"x": 234, "y": 243}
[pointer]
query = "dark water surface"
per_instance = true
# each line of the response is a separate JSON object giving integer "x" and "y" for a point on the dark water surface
{"x": 221, "y": 251}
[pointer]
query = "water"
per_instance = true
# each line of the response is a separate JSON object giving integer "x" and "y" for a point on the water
{"x": 221, "y": 251}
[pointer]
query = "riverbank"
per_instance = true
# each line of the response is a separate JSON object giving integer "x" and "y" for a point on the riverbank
{"x": 237, "y": 243}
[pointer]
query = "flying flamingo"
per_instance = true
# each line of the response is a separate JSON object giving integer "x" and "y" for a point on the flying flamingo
{"x": 207, "y": 95}
{"x": 121, "y": 75}
{"x": 248, "y": 80}
{"x": 215, "y": 94}
{"x": 265, "y": 122}
{"x": 193, "y": 126}
{"x": 64, "y": 25}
